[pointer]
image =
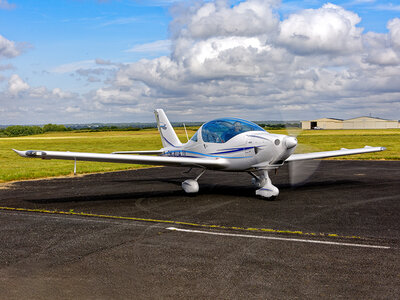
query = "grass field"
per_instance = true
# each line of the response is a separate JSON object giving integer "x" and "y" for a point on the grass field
{"x": 13, "y": 167}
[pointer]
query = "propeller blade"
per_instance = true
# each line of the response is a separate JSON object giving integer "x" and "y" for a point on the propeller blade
{"x": 300, "y": 171}
{"x": 292, "y": 130}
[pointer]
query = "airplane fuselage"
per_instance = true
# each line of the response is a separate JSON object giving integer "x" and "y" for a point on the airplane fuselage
{"x": 245, "y": 152}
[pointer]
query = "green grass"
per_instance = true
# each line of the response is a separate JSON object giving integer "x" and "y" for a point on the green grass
{"x": 13, "y": 167}
{"x": 324, "y": 140}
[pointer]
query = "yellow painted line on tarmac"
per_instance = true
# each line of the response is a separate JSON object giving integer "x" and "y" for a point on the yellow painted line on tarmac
{"x": 249, "y": 229}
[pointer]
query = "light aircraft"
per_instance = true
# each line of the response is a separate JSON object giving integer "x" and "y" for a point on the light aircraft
{"x": 226, "y": 144}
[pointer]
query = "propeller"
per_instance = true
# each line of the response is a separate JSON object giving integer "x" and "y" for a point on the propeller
{"x": 300, "y": 171}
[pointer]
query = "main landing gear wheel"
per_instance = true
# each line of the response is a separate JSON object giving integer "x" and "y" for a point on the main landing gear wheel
{"x": 266, "y": 188}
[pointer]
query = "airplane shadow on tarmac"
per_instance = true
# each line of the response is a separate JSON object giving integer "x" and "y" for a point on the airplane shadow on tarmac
{"x": 171, "y": 187}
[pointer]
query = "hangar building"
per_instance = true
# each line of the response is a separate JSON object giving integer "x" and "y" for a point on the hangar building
{"x": 354, "y": 123}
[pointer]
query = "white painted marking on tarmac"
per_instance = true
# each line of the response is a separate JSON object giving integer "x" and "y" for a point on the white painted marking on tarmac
{"x": 278, "y": 238}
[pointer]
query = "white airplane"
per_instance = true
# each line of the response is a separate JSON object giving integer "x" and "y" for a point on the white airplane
{"x": 227, "y": 144}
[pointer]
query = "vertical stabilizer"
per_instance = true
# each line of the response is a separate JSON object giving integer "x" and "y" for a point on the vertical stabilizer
{"x": 168, "y": 135}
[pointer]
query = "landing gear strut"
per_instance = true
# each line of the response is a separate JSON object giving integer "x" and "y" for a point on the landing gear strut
{"x": 191, "y": 186}
{"x": 263, "y": 182}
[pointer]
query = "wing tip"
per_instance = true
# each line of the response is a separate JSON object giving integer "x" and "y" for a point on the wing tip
{"x": 380, "y": 148}
{"x": 20, "y": 153}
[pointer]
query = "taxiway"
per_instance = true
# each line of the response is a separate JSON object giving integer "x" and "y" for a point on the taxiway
{"x": 136, "y": 234}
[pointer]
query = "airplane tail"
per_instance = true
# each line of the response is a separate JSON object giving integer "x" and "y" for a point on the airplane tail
{"x": 168, "y": 135}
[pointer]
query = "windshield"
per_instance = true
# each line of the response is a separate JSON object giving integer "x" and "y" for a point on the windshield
{"x": 222, "y": 130}
{"x": 194, "y": 138}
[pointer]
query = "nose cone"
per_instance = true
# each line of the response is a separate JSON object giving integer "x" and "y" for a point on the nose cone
{"x": 290, "y": 142}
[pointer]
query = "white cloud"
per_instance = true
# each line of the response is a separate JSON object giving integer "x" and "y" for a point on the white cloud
{"x": 385, "y": 56}
{"x": 384, "y": 49}
{"x": 72, "y": 109}
{"x": 57, "y": 92}
{"x": 5, "y": 5}
{"x": 157, "y": 2}
{"x": 74, "y": 66}
{"x": 312, "y": 63}
{"x": 315, "y": 59}
{"x": 90, "y": 64}
{"x": 16, "y": 85}
{"x": 25, "y": 104}
{"x": 388, "y": 7}
{"x": 153, "y": 47}
{"x": 100, "y": 61}
{"x": 330, "y": 29}
{"x": 40, "y": 92}
{"x": 250, "y": 18}
{"x": 356, "y": 2}
{"x": 119, "y": 21}
{"x": 92, "y": 70}
{"x": 394, "y": 33}
{"x": 8, "y": 48}
{"x": 6, "y": 67}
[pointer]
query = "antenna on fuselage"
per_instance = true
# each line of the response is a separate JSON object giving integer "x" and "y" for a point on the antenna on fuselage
{"x": 186, "y": 132}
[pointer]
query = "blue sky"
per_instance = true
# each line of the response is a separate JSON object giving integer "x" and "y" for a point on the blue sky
{"x": 115, "y": 61}
{"x": 63, "y": 32}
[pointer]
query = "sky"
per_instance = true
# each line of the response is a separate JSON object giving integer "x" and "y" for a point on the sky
{"x": 84, "y": 61}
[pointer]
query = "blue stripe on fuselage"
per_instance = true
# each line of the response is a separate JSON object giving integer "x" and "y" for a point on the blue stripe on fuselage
{"x": 184, "y": 153}
{"x": 259, "y": 137}
{"x": 231, "y": 150}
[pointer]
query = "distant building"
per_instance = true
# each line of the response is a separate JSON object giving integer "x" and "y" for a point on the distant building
{"x": 370, "y": 123}
{"x": 324, "y": 123}
{"x": 354, "y": 123}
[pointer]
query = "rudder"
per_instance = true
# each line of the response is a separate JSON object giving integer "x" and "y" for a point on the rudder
{"x": 167, "y": 132}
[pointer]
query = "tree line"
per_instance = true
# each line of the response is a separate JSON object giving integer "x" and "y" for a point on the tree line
{"x": 21, "y": 130}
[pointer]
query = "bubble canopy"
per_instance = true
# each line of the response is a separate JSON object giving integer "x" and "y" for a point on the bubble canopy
{"x": 222, "y": 130}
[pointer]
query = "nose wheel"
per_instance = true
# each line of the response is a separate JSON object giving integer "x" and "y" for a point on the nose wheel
{"x": 263, "y": 182}
{"x": 191, "y": 186}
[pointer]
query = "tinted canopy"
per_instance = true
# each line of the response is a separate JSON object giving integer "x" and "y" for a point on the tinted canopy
{"x": 222, "y": 130}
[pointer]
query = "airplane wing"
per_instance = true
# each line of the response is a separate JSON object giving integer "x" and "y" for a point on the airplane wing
{"x": 341, "y": 152}
{"x": 217, "y": 163}
{"x": 145, "y": 152}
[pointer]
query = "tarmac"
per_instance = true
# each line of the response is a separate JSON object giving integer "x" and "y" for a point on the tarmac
{"x": 137, "y": 235}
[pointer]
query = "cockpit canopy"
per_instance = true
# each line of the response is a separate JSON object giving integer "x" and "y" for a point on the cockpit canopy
{"x": 222, "y": 130}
